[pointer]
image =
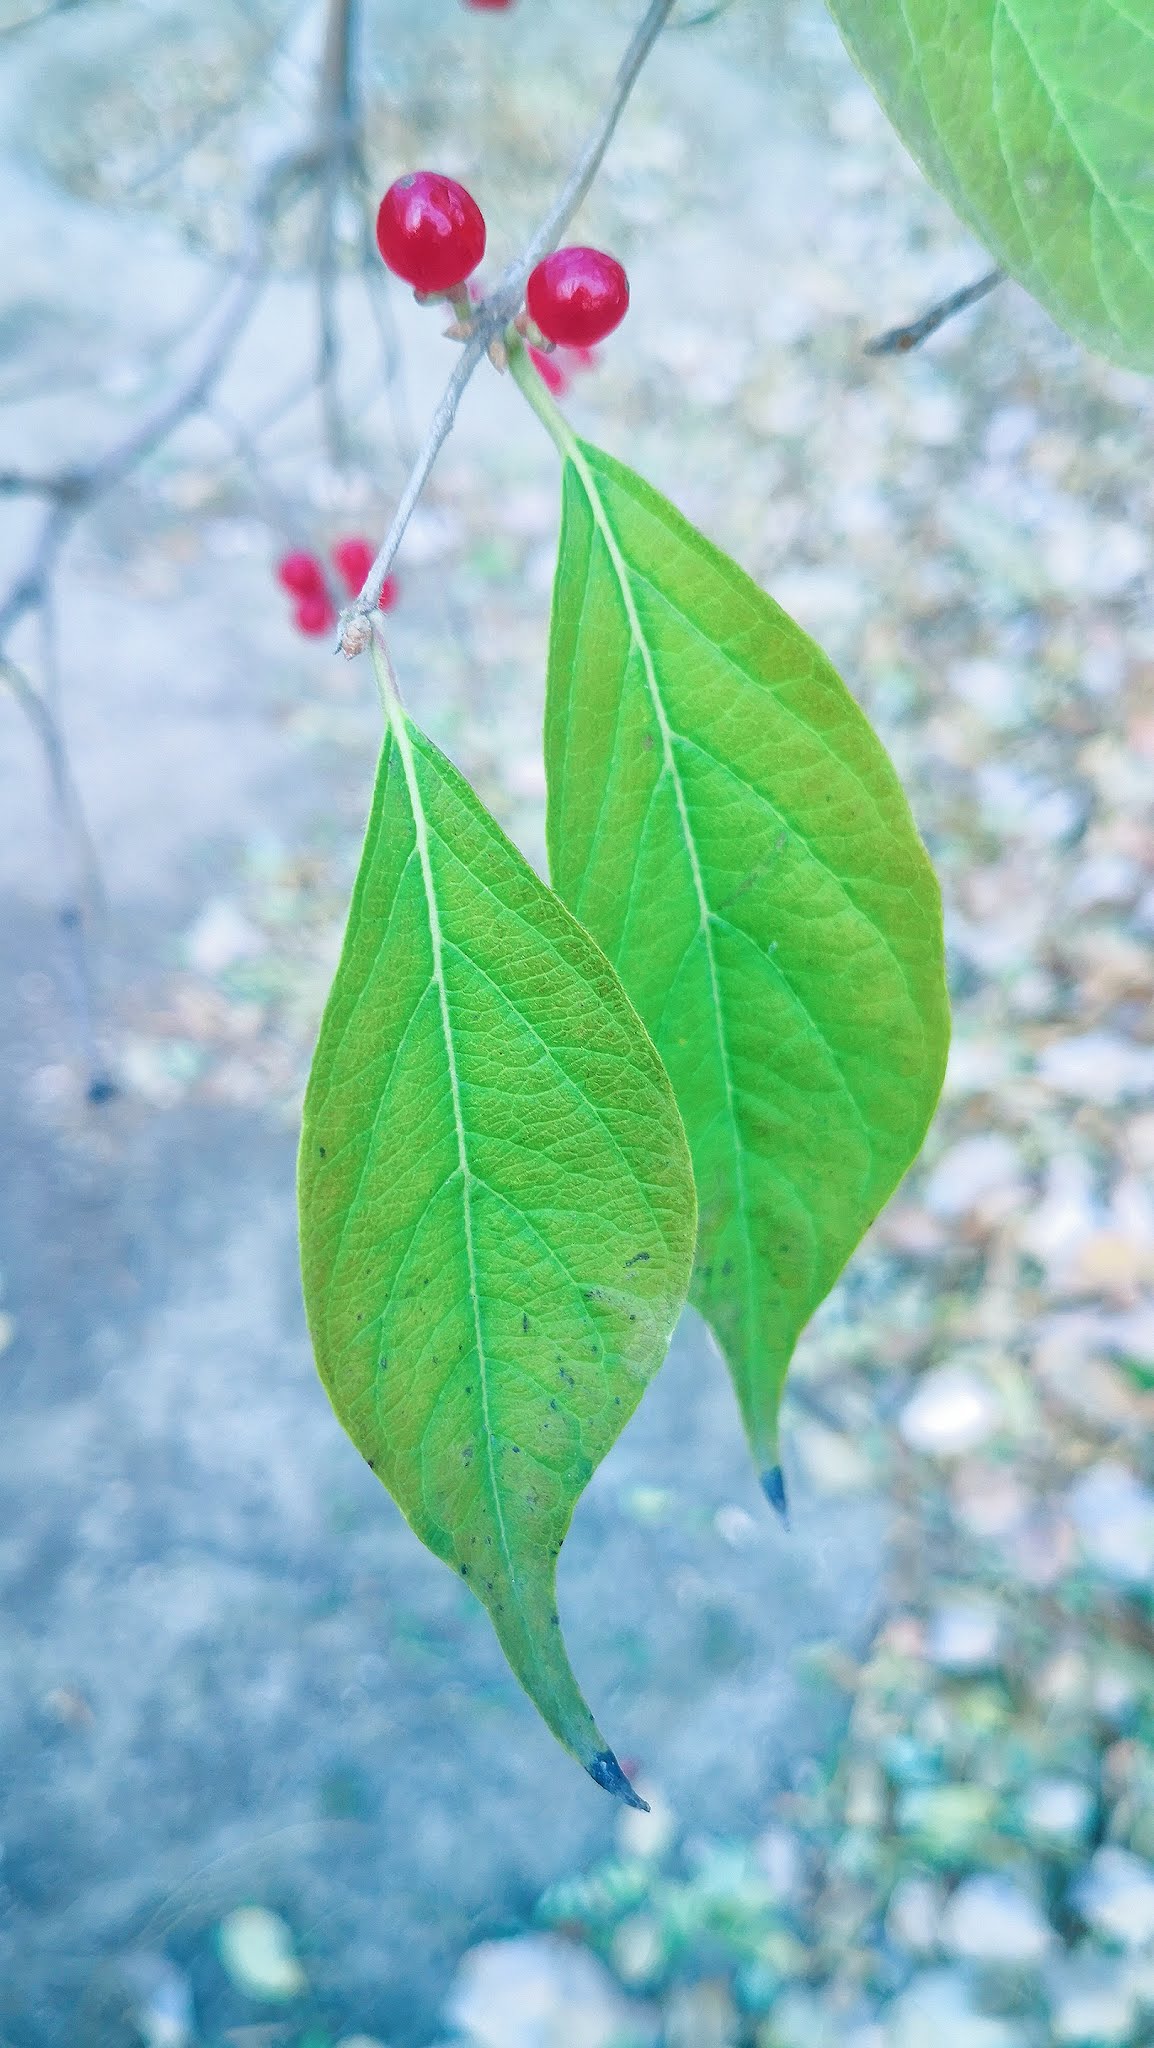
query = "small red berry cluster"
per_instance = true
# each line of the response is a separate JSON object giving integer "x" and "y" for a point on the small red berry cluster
{"x": 431, "y": 232}
{"x": 303, "y": 576}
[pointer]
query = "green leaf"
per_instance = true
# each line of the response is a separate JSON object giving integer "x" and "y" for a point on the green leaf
{"x": 725, "y": 822}
{"x": 1036, "y": 119}
{"x": 497, "y": 1209}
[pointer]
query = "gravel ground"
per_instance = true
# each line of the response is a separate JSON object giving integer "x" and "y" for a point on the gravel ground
{"x": 899, "y": 1761}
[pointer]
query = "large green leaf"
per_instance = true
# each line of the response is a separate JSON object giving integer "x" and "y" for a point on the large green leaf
{"x": 724, "y": 821}
{"x": 497, "y": 1209}
{"x": 1036, "y": 119}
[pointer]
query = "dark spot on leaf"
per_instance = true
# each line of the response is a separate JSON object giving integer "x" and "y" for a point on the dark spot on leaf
{"x": 467, "y": 1455}
{"x": 552, "y": 1404}
{"x": 638, "y": 1259}
{"x": 525, "y": 1324}
{"x": 727, "y": 1267}
{"x": 323, "y": 1153}
{"x": 464, "y": 1571}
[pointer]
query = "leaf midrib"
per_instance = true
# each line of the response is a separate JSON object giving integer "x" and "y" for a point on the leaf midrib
{"x": 670, "y": 767}
{"x": 400, "y": 729}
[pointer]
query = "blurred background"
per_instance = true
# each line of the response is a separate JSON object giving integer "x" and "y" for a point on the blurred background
{"x": 266, "y": 1779}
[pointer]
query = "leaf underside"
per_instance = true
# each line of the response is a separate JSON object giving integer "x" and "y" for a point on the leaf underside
{"x": 724, "y": 821}
{"x": 497, "y": 1211}
{"x": 1036, "y": 119}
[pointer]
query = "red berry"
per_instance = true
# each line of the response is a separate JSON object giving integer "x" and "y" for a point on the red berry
{"x": 301, "y": 574}
{"x": 489, "y": 6}
{"x": 390, "y": 591}
{"x": 430, "y": 231}
{"x": 578, "y": 296}
{"x": 352, "y": 560}
{"x": 314, "y": 614}
{"x": 550, "y": 372}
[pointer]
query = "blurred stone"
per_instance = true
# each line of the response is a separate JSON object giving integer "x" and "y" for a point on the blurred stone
{"x": 949, "y": 1819}
{"x": 989, "y": 1499}
{"x": 1065, "y": 1217}
{"x": 1114, "y": 1517}
{"x": 935, "y": 2012}
{"x": 779, "y": 1857}
{"x": 1091, "y": 2003}
{"x": 700, "y": 2016}
{"x": 990, "y": 1919}
{"x": 963, "y": 1637}
{"x": 539, "y": 1991}
{"x": 1057, "y": 1809}
{"x": 1041, "y": 1549}
{"x": 736, "y": 1526}
{"x": 1105, "y": 878}
{"x": 833, "y": 1460}
{"x": 256, "y": 1948}
{"x": 951, "y": 1412}
{"x": 1115, "y": 1896}
{"x": 798, "y": 2020}
{"x": 647, "y": 1835}
{"x": 220, "y": 937}
{"x": 639, "y": 1950}
{"x": 973, "y": 1171}
{"x": 1098, "y": 1067}
{"x": 914, "y": 1915}
{"x": 161, "y": 1999}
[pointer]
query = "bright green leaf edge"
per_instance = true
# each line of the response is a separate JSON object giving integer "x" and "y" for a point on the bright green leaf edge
{"x": 1035, "y": 118}
{"x": 725, "y": 821}
{"x": 496, "y": 1205}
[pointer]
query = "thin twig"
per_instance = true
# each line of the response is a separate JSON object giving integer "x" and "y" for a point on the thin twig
{"x": 376, "y": 281}
{"x": 83, "y": 893}
{"x": 27, "y": 21}
{"x": 76, "y": 491}
{"x": 338, "y": 128}
{"x": 14, "y": 483}
{"x": 494, "y": 314}
{"x": 72, "y": 491}
{"x": 898, "y": 341}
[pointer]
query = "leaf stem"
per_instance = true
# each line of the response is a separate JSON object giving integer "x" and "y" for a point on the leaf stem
{"x": 532, "y": 388}
{"x": 388, "y": 688}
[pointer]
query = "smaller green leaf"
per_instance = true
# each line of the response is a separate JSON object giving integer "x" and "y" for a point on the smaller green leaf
{"x": 496, "y": 1200}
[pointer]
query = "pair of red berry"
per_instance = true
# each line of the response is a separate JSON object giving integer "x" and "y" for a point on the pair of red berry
{"x": 431, "y": 232}
{"x": 303, "y": 576}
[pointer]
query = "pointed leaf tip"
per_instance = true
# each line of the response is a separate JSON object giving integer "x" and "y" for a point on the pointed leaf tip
{"x": 607, "y": 1772}
{"x": 773, "y": 1487}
